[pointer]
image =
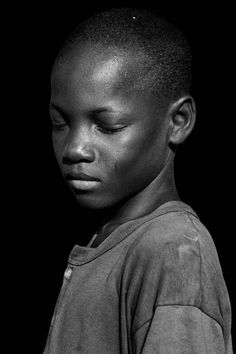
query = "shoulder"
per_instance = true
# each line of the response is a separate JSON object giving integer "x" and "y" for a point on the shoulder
{"x": 173, "y": 259}
{"x": 165, "y": 254}
{"x": 170, "y": 235}
{"x": 177, "y": 234}
{"x": 177, "y": 244}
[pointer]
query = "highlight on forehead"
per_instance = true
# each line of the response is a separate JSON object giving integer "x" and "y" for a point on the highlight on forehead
{"x": 107, "y": 69}
{"x": 128, "y": 67}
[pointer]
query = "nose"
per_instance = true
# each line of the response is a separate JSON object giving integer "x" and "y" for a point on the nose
{"x": 78, "y": 149}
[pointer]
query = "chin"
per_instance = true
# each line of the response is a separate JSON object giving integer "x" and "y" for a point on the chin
{"x": 91, "y": 202}
{"x": 102, "y": 203}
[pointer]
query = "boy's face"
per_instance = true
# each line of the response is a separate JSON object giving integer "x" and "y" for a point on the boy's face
{"x": 105, "y": 129}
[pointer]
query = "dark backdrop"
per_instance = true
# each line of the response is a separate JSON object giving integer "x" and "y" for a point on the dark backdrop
{"x": 48, "y": 222}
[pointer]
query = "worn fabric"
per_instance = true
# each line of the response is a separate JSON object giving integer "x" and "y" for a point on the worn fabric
{"x": 155, "y": 285}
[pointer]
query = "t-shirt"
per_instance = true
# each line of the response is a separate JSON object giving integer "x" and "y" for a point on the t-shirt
{"x": 154, "y": 285}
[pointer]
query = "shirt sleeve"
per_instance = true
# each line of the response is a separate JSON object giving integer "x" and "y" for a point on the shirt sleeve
{"x": 177, "y": 330}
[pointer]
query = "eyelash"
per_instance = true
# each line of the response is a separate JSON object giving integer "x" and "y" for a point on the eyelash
{"x": 110, "y": 130}
{"x": 60, "y": 127}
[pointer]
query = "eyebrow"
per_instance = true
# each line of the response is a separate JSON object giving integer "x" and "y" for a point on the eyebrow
{"x": 94, "y": 111}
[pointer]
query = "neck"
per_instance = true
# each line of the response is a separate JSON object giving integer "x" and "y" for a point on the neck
{"x": 161, "y": 190}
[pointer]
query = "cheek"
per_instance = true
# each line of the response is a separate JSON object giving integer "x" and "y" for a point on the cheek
{"x": 137, "y": 153}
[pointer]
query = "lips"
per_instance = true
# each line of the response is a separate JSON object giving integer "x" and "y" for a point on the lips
{"x": 80, "y": 176}
{"x": 82, "y": 182}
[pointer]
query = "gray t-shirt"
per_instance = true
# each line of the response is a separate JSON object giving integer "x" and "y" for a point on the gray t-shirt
{"x": 154, "y": 285}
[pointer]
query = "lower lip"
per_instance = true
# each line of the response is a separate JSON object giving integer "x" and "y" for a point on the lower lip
{"x": 83, "y": 185}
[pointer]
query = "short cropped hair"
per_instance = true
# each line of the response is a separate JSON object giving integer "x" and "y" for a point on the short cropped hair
{"x": 162, "y": 49}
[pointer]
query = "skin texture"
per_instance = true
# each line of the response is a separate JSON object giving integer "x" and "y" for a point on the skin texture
{"x": 118, "y": 134}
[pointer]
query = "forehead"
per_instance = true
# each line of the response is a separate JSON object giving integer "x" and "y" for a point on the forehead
{"x": 91, "y": 64}
{"x": 91, "y": 77}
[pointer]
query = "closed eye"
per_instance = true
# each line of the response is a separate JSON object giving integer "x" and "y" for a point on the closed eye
{"x": 58, "y": 119}
{"x": 107, "y": 130}
{"x": 59, "y": 126}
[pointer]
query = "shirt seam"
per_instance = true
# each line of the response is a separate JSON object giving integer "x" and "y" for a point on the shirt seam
{"x": 200, "y": 255}
{"x": 179, "y": 305}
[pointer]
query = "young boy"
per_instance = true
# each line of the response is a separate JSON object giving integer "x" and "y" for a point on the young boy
{"x": 149, "y": 281}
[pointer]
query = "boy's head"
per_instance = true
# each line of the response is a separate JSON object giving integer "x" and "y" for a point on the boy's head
{"x": 120, "y": 99}
{"x": 160, "y": 52}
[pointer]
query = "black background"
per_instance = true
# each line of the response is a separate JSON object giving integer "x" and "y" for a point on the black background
{"x": 44, "y": 220}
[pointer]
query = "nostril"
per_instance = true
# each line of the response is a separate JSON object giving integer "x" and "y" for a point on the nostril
{"x": 70, "y": 161}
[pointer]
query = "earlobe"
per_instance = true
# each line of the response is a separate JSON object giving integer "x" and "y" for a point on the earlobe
{"x": 182, "y": 115}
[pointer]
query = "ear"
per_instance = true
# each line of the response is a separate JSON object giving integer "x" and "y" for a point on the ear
{"x": 182, "y": 116}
